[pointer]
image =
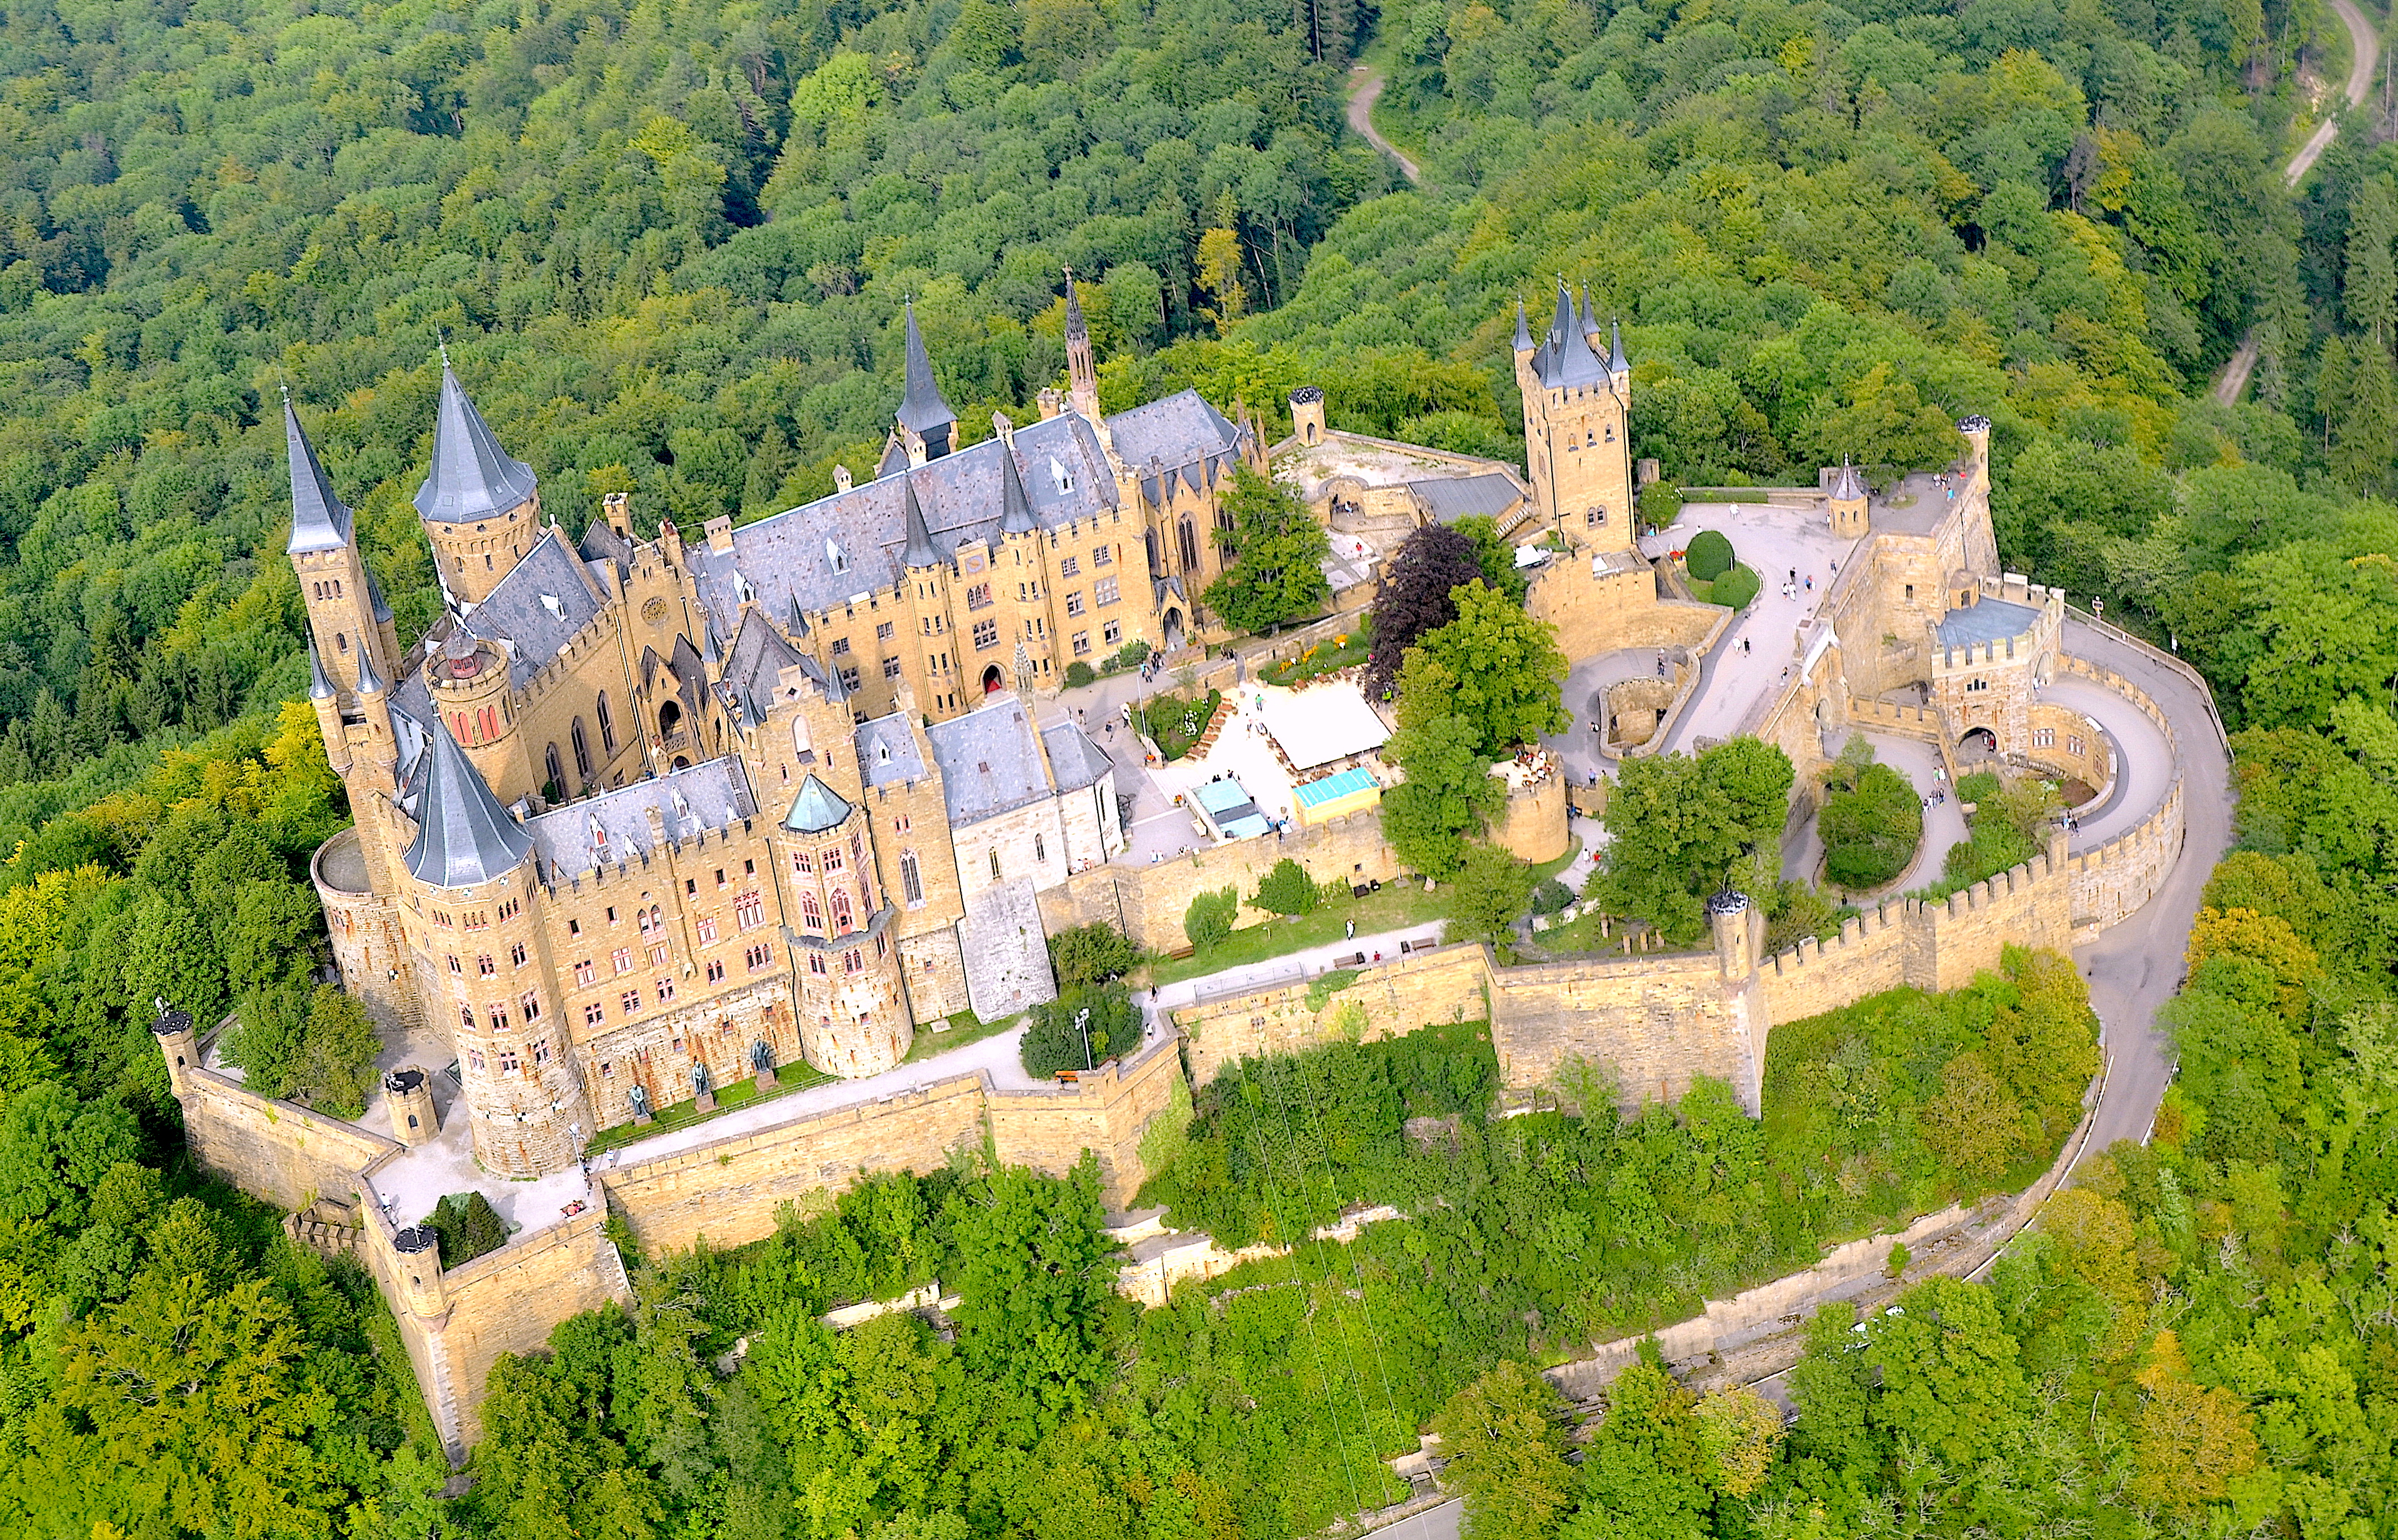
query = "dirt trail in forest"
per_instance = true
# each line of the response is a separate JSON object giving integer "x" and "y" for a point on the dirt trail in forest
{"x": 1366, "y": 89}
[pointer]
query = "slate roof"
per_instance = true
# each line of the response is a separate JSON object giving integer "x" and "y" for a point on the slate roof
{"x": 921, "y": 405}
{"x": 1848, "y": 486}
{"x": 989, "y": 762}
{"x": 319, "y": 520}
{"x": 319, "y": 687}
{"x": 817, "y": 808}
{"x": 1183, "y": 434}
{"x": 518, "y": 610}
{"x": 758, "y": 656}
{"x": 614, "y": 825}
{"x": 1986, "y": 620}
{"x": 886, "y": 752}
{"x": 464, "y": 836}
{"x": 789, "y": 559}
{"x": 1565, "y": 359}
{"x": 1451, "y": 498}
{"x": 1074, "y": 760}
{"x": 471, "y": 478}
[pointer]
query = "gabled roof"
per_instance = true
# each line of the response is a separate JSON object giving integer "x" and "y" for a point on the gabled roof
{"x": 921, "y": 407}
{"x": 319, "y": 521}
{"x": 756, "y": 659}
{"x": 464, "y": 836}
{"x": 471, "y": 478}
{"x": 538, "y": 607}
{"x": 990, "y": 762}
{"x": 1074, "y": 760}
{"x": 1178, "y": 431}
{"x": 817, "y": 808}
{"x": 614, "y": 825}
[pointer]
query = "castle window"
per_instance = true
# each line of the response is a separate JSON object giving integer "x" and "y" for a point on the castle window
{"x": 467, "y": 1016}
{"x": 986, "y": 635}
{"x": 883, "y": 946}
{"x": 911, "y": 881}
{"x": 1910, "y": 593}
{"x": 811, "y": 915}
{"x": 487, "y": 724}
{"x": 607, "y": 1069}
{"x": 486, "y": 967}
{"x": 979, "y": 595}
{"x": 475, "y": 1057}
{"x": 708, "y": 930}
{"x": 2044, "y": 737}
{"x": 1112, "y": 633}
{"x": 994, "y": 863}
{"x": 840, "y": 911}
{"x": 1101, "y": 556}
{"x": 509, "y": 907}
{"x": 1187, "y": 535}
{"x": 1103, "y": 592}
{"x": 1081, "y": 643}
{"x": 509, "y": 1063}
{"x": 622, "y": 959}
{"x": 453, "y": 965}
{"x": 1074, "y": 603}
{"x": 582, "y": 749}
{"x": 1977, "y": 685}
{"x": 758, "y": 957}
{"x": 852, "y": 961}
{"x": 815, "y": 961}
{"x": 720, "y": 876}
{"x": 586, "y": 975}
{"x": 800, "y": 861}
{"x": 1069, "y": 566}
{"x": 832, "y": 861}
{"x": 657, "y": 956}
{"x": 342, "y": 641}
{"x": 665, "y": 991}
{"x": 749, "y": 911}
{"x": 885, "y": 632}
{"x": 835, "y": 558}
{"x": 541, "y": 1051}
{"x": 499, "y": 1015}
{"x": 839, "y": 645}
{"x": 715, "y": 970}
{"x": 631, "y": 1000}
{"x": 516, "y": 954}
{"x": 593, "y": 1014}
{"x": 891, "y": 668}
{"x": 849, "y": 680}
{"x": 857, "y": 851}
{"x": 607, "y": 725}
{"x": 2073, "y": 745}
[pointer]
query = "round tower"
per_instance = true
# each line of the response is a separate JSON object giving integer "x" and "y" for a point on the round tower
{"x": 853, "y": 1016}
{"x": 1307, "y": 414}
{"x": 475, "y": 915}
{"x": 467, "y": 678}
{"x": 417, "y": 1250}
{"x": 178, "y": 1043}
{"x": 409, "y": 1095}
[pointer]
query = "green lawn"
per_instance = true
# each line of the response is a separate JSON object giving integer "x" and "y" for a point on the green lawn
{"x": 789, "y": 1077}
{"x": 1400, "y": 904}
{"x": 963, "y": 1028}
{"x": 1547, "y": 870}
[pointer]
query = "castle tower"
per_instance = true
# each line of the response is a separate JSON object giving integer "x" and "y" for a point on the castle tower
{"x": 178, "y": 1043}
{"x": 853, "y": 1016}
{"x": 347, "y": 620}
{"x": 481, "y": 509}
{"x": 410, "y": 1095}
{"x": 1081, "y": 365}
{"x": 468, "y": 681}
{"x": 925, "y": 422}
{"x": 1577, "y": 441}
{"x": 1847, "y": 495}
{"x": 1307, "y": 414}
{"x": 475, "y": 913}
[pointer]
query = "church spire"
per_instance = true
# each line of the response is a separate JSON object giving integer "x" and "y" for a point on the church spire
{"x": 319, "y": 523}
{"x": 1081, "y": 364}
{"x": 922, "y": 410}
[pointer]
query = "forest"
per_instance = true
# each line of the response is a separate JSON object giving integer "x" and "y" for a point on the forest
{"x": 668, "y": 245}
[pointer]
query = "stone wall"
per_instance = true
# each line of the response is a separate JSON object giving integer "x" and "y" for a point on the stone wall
{"x": 1148, "y": 902}
{"x": 1005, "y": 951}
{"x": 278, "y": 1151}
{"x": 1395, "y": 998}
{"x": 1600, "y": 603}
{"x": 1106, "y": 1112}
{"x": 1656, "y": 1023}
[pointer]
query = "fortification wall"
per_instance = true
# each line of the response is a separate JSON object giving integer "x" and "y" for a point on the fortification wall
{"x": 1597, "y": 607}
{"x": 1656, "y": 1023}
{"x": 1389, "y": 1000}
{"x": 278, "y": 1151}
{"x": 1106, "y": 1112}
{"x": 1148, "y": 902}
{"x": 1533, "y": 828}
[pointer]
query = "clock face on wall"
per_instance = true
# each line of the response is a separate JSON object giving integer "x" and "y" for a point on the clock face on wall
{"x": 972, "y": 559}
{"x": 654, "y": 611}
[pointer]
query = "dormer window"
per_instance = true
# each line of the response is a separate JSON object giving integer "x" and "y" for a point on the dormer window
{"x": 835, "y": 558}
{"x": 1065, "y": 481}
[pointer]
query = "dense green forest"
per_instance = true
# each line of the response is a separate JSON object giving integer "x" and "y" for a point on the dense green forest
{"x": 668, "y": 244}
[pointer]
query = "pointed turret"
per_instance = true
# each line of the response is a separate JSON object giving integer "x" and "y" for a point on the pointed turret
{"x": 1081, "y": 364}
{"x": 817, "y": 808}
{"x": 370, "y": 683}
{"x": 319, "y": 521}
{"x": 1846, "y": 487}
{"x": 1015, "y": 503}
{"x": 1523, "y": 328}
{"x": 1589, "y": 316}
{"x": 920, "y": 551}
{"x": 472, "y": 478}
{"x": 1567, "y": 361}
{"x": 381, "y": 605}
{"x": 319, "y": 687}
{"x": 464, "y": 836}
{"x": 1616, "y": 363}
{"x": 922, "y": 410}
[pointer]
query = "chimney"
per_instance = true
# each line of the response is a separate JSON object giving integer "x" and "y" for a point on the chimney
{"x": 618, "y": 507}
{"x": 720, "y": 534}
{"x": 1004, "y": 429}
{"x": 842, "y": 480}
{"x": 1053, "y": 404}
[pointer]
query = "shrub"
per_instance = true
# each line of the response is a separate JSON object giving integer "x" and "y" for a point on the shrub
{"x": 1709, "y": 556}
{"x": 1132, "y": 655}
{"x": 1209, "y": 918}
{"x": 1078, "y": 673}
{"x": 1174, "y": 723}
{"x": 1736, "y": 590}
{"x": 1661, "y": 503}
{"x": 1287, "y": 889}
{"x": 1055, "y": 1038}
{"x": 1871, "y": 825}
{"x": 468, "y": 1226}
{"x": 1551, "y": 896}
{"x": 1091, "y": 954}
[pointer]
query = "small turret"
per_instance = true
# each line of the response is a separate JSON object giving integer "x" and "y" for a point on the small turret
{"x": 1015, "y": 503}
{"x": 1616, "y": 363}
{"x": 1849, "y": 518}
{"x": 1523, "y": 332}
{"x": 176, "y": 1043}
{"x": 410, "y": 1095}
{"x": 924, "y": 418}
{"x": 920, "y": 551}
{"x": 1081, "y": 365}
{"x": 1307, "y": 414}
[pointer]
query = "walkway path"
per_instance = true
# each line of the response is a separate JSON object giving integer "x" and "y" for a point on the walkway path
{"x": 1943, "y": 822}
{"x": 2143, "y": 759}
{"x": 1304, "y": 963}
{"x": 2364, "y": 48}
{"x": 1366, "y": 89}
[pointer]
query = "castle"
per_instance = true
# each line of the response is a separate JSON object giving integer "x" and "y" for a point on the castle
{"x": 638, "y": 816}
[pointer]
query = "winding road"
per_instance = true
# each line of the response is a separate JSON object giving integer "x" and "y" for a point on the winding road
{"x": 2364, "y": 45}
{"x": 1366, "y": 89}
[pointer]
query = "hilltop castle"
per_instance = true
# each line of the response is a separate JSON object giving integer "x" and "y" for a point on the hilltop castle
{"x": 638, "y": 816}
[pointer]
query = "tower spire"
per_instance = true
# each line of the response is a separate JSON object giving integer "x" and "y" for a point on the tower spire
{"x": 1016, "y": 504}
{"x": 1081, "y": 364}
{"x": 464, "y": 836}
{"x": 471, "y": 478}
{"x": 922, "y": 410}
{"x": 319, "y": 523}
{"x": 920, "y": 551}
{"x": 1523, "y": 328}
{"x": 1616, "y": 363}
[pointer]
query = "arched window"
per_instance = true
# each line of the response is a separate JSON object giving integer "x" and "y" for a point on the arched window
{"x": 1149, "y": 538}
{"x": 582, "y": 749}
{"x": 1189, "y": 536}
{"x": 840, "y": 912}
{"x": 912, "y": 882}
{"x": 557, "y": 771}
{"x": 810, "y": 915}
{"x": 341, "y": 642}
{"x": 607, "y": 727}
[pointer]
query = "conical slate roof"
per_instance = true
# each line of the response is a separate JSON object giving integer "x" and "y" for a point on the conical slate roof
{"x": 375, "y": 594}
{"x": 319, "y": 523}
{"x": 815, "y": 809}
{"x": 1015, "y": 504}
{"x": 923, "y": 407}
{"x": 1848, "y": 486}
{"x": 472, "y": 476}
{"x": 1616, "y": 364}
{"x": 319, "y": 687}
{"x": 1077, "y": 328}
{"x": 1523, "y": 328}
{"x": 1589, "y": 314}
{"x": 920, "y": 551}
{"x": 464, "y": 836}
{"x": 370, "y": 683}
